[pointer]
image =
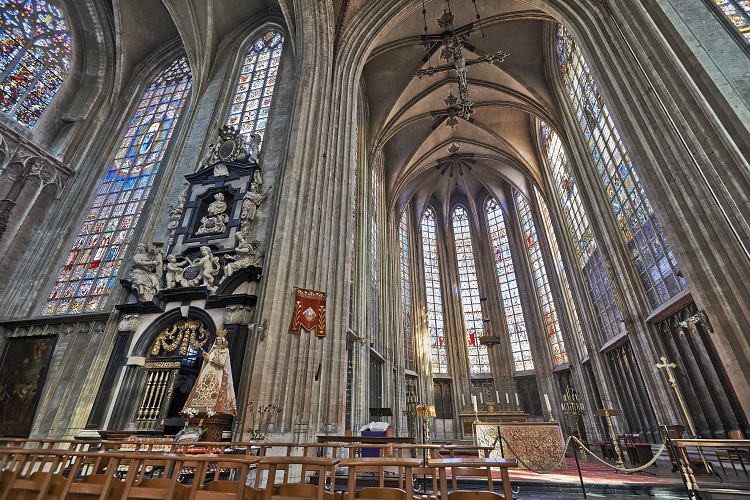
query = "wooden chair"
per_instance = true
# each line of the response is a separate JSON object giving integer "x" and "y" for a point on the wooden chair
{"x": 36, "y": 471}
{"x": 323, "y": 466}
{"x": 428, "y": 451}
{"x": 483, "y": 464}
{"x": 207, "y": 484}
{"x": 166, "y": 488}
{"x": 373, "y": 493}
{"x": 732, "y": 454}
{"x": 379, "y": 465}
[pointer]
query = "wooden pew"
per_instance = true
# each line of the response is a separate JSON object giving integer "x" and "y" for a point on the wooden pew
{"x": 483, "y": 464}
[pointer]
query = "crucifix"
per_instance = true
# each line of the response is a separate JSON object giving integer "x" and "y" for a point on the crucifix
{"x": 453, "y": 46}
{"x": 669, "y": 367}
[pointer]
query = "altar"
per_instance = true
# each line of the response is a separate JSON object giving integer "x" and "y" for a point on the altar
{"x": 468, "y": 419}
{"x": 538, "y": 444}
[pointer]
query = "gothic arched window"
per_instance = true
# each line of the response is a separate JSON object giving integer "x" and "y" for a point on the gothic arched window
{"x": 472, "y": 308}
{"x": 34, "y": 57}
{"x": 738, "y": 11}
{"x": 254, "y": 93}
{"x": 90, "y": 270}
{"x": 561, "y": 273}
{"x": 403, "y": 240}
{"x": 435, "y": 321}
{"x": 654, "y": 261}
{"x": 506, "y": 275}
{"x": 587, "y": 251}
{"x": 541, "y": 281}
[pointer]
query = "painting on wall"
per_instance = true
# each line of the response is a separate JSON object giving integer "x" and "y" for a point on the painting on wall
{"x": 23, "y": 371}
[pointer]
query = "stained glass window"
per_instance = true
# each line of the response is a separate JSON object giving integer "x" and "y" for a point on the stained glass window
{"x": 587, "y": 251}
{"x": 375, "y": 187}
{"x": 90, "y": 270}
{"x": 561, "y": 273}
{"x": 34, "y": 57}
{"x": 653, "y": 258}
{"x": 506, "y": 275}
{"x": 254, "y": 94}
{"x": 738, "y": 11}
{"x": 479, "y": 361}
{"x": 541, "y": 280}
{"x": 403, "y": 240}
{"x": 435, "y": 321}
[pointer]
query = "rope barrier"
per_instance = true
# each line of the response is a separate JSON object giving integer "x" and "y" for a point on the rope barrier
{"x": 557, "y": 464}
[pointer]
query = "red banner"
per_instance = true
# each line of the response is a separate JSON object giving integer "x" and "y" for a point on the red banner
{"x": 309, "y": 312}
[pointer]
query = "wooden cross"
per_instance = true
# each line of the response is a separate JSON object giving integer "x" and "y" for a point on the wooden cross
{"x": 669, "y": 367}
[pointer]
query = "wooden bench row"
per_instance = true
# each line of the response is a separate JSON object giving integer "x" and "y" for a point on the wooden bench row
{"x": 48, "y": 473}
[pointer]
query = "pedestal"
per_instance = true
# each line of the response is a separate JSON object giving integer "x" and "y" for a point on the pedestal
{"x": 214, "y": 425}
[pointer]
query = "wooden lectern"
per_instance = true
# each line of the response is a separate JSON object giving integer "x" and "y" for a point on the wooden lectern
{"x": 608, "y": 413}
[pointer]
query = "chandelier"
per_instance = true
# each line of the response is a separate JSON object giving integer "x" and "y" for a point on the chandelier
{"x": 453, "y": 42}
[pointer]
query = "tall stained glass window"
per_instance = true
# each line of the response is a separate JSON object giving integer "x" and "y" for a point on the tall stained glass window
{"x": 561, "y": 273}
{"x": 653, "y": 258}
{"x": 587, "y": 251}
{"x": 435, "y": 321}
{"x": 738, "y": 11}
{"x": 254, "y": 94}
{"x": 90, "y": 270}
{"x": 34, "y": 57}
{"x": 403, "y": 240}
{"x": 479, "y": 361}
{"x": 541, "y": 281}
{"x": 506, "y": 276}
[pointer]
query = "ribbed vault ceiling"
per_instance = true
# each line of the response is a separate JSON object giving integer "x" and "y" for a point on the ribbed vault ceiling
{"x": 407, "y": 115}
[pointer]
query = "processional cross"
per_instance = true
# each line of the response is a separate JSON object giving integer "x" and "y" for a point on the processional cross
{"x": 453, "y": 47}
{"x": 669, "y": 367}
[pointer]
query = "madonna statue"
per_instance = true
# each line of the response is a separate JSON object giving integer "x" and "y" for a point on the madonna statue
{"x": 213, "y": 392}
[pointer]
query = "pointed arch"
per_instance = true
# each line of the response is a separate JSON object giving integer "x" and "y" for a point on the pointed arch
{"x": 254, "y": 92}
{"x": 35, "y": 54}
{"x": 435, "y": 317}
{"x": 91, "y": 267}
{"x": 506, "y": 275}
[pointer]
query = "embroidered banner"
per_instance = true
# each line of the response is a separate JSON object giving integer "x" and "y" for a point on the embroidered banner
{"x": 309, "y": 312}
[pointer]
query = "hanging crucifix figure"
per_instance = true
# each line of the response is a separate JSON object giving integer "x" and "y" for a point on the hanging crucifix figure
{"x": 453, "y": 46}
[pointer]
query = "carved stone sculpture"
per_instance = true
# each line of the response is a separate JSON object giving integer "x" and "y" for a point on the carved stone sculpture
{"x": 209, "y": 267}
{"x": 250, "y": 204}
{"x": 254, "y": 148}
{"x": 175, "y": 214}
{"x": 174, "y": 271}
{"x": 143, "y": 274}
{"x": 246, "y": 255}
{"x": 216, "y": 220}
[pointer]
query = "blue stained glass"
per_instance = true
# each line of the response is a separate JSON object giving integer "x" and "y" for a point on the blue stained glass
{"x": 141, "y": 154}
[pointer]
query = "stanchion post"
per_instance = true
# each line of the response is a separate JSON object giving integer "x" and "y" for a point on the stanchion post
{"x": 578, "y": 465}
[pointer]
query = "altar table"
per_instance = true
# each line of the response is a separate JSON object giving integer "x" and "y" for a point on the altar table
{"x": 538, "y": 444}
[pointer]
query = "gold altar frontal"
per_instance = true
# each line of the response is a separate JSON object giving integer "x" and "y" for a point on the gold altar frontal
{"x": 468, "y": 419}
{"x": 538, "y": 444}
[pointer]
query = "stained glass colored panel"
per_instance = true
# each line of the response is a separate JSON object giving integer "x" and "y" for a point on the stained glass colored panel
{"x": 588, "y": 254}
{"x": 506, "y": 276}
{"x": 435, "y": 319}
{"x": 34, "y": 57}
{"x": 541, "y": 281}
{"x": 557, "y": 258}
{"x": 479, "y": 361}
{"x": 653, "y": 258}
{"x": 403, "y": 240}
{"x": 738, "y": 11}
{"x": 110, "y": 222}
{"x": 254, "y": 93}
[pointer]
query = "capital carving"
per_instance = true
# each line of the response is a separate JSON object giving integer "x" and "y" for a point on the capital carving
{"x": 129, "y": 323}
{"x": 237, "y": 315}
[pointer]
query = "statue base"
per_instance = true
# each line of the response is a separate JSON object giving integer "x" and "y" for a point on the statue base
{"x": 214, "y": 425}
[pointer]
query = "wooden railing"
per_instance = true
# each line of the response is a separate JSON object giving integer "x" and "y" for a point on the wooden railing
{"x": 702, "y": 480}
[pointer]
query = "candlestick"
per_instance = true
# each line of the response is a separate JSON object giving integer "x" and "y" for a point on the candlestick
{"x": 463, "y": 401}
{"x": 507, "y": 400}
{"x": 474, "y": 402}
{"x": 481, "y": 398}
{"x": 497, "y": 396}
{"x": 517, "y": 403}
{"x": 549, "y": 408}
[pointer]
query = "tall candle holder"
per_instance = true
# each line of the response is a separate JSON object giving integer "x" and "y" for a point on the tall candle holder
{"x": 573, "y": 407}
{"x": 426, "y": 412}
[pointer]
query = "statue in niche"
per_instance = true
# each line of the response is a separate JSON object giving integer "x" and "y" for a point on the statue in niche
{"x": 175, "y": 270}
{"x": 250, "y": 204}
{"x": 216, "y": 220}
{"x": 175, "y": 214}
{"x": 143, "y": 274}
{"x": 246, "y": 255}
{"x": 213, "y": 392}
